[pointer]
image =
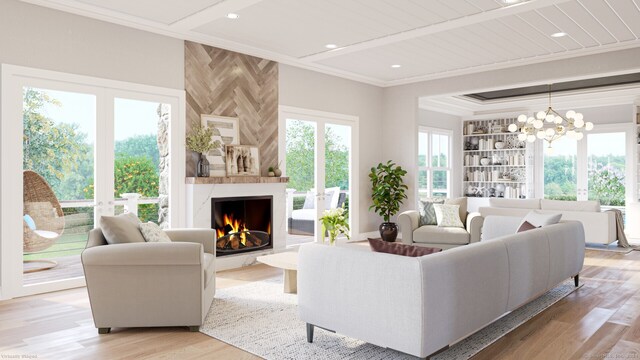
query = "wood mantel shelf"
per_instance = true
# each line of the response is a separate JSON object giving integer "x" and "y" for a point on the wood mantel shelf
{"x": 237, "y": 180}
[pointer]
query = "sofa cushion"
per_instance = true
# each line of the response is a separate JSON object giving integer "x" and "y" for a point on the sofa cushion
{"x": 209, "y": 266}
{"x": 570, "y": 205}
{"x": 448, "y": 215}
{"x": 539, "y": 219}
{"x": 526, "y": 226}
{"x": 462, "y": 202}
{"x": 153, "y": 233}
{"x": 515, "y": 203}
{"x": 428, "y": 212}
{"x": 401, "y": 249}
{"x": 121, "y": 229}
{"x": 431, "y": 234}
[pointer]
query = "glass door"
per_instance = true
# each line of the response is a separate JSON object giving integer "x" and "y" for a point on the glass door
{"x": 605, "y": 170}
{"x": 561, "y": 170}
{"x": 58, "y": 163}
{"x": 319, "y": 161}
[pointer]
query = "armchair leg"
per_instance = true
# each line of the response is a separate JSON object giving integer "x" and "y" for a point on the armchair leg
{"x": 194, "y": 328}
{"x": 104, "y": 330}
{"x": 309, "y": 333}
{"x": 576, "y": 280}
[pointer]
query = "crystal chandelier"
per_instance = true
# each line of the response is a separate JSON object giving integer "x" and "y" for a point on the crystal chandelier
{"x": 550, "y": 125}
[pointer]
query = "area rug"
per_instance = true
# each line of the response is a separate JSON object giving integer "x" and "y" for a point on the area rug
{"x": 259, "y": 318}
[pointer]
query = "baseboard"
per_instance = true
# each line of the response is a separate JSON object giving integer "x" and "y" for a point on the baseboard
{"x": 373, "y": 235}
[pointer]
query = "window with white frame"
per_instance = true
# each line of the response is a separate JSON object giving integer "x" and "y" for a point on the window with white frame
{"x": 434, "y": 162}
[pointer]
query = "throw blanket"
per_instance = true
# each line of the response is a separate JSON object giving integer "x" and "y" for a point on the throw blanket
{"x": 622, "y": 238}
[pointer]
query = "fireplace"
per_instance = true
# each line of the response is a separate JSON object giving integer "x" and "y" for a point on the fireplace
{"x": 242, "y": 224}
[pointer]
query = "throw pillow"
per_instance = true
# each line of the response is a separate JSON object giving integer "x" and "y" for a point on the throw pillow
{"x": 428, "y": 212}
{"x": 310, "y": 200}
{"x": 121, "y": 229}
{"x": 526, "y": 226}
{"x": 401, "y": 249}
{"x": 539, "y": 219}
{"x": 30, "y": 222}
{"x": 462, "y": 202}
{"x": 448, "y": 215}
{"x": 153, "y": 233}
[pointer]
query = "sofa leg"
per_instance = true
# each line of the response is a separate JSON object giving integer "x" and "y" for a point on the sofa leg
{"x": 309, "y": 333}
{"x": 194, "y": 328}
{"x": 104, "y": 330}
{"x": 576, "y": 280}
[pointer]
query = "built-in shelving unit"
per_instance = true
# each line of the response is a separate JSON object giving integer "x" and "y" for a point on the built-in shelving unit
{"x": 495, "y": 162}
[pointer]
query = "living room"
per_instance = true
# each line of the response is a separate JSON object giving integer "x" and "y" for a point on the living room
{"x": 130, "y": 82}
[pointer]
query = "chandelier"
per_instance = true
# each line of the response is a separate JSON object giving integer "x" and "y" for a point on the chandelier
{"x": 550, "y": 125}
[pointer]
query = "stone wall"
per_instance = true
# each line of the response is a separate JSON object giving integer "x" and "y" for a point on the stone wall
{"x": 164, "y": 116}
{"x": 226, "y": 83}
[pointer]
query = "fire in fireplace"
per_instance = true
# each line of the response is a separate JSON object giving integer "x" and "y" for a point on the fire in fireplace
{"x": 242, "y": 224}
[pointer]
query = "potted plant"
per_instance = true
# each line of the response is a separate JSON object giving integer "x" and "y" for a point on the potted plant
{"x": 199, "y": 140}
{"x": 387, "y": 193}
{"x": 334, "y": 222}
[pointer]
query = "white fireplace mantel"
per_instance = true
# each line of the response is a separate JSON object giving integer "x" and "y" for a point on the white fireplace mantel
{"x": 198, "y": 203}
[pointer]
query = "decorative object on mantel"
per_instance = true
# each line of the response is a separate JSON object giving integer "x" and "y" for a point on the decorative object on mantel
{"x": 271, "y": 173}
{"x": 388, "y": 193}
{"x": 225, "y": 132}
{"x": 276, "y": 170}
{"x": 199, "y": 140}
{"x": 242, "y": 160}
{"x": 335, "y": 223}
{"x": 550, "y": 126}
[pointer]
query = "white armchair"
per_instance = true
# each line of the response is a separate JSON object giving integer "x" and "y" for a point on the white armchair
{"x": 151, "y": 284}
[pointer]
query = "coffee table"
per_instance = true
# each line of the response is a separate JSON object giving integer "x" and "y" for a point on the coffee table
{"x": 288, "y": 261}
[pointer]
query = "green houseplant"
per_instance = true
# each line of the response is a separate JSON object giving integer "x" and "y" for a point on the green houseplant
{"x": 387, "y": 194}
{"x": 199, "y": 140}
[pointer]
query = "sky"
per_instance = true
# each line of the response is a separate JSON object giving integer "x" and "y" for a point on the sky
{"x": 132, "y": 117}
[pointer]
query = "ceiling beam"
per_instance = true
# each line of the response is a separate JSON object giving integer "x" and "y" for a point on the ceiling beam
{"x": 435, "y": 28}
{"x": 216, "y": 11}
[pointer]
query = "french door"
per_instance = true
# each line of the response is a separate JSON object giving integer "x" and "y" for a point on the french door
{"x": 594, "y": 168}
{"x": 74, "y": 149}
{"x": 318, "y": 153}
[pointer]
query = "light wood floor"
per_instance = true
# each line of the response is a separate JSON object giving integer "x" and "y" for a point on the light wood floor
{"x": 601, "y": 320}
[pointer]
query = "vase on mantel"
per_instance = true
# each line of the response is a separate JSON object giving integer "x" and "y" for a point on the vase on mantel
{"x": 202, "y": 168}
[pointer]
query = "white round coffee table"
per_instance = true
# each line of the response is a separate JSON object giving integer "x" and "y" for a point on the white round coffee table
{"x": 288, "y": 261}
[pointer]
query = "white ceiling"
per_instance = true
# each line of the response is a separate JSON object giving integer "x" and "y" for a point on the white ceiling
{"x": 429, "y": 38}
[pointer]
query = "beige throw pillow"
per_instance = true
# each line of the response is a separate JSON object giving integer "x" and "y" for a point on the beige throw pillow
{"x": 153, "y": 233}
{"x": 121, "y": 229}
{"x": 448, "y": 215}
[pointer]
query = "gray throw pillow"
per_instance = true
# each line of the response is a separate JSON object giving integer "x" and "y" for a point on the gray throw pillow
{"x": 153, "y": 233}
{"x": 121, "y": 229}
{"x": 428, "y": 212}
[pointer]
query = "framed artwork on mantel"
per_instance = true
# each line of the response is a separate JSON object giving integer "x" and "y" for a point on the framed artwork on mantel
{"x": 226, "y": 130}
{"x": 242, "y": 160}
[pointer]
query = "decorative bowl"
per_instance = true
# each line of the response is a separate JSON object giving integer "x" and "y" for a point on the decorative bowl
{"x": 484, "y": 161}
{"x": 499, "y": 145}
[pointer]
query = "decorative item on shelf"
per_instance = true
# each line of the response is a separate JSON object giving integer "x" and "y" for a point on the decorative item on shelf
{"x": 225, "y": 132}
{"x": 550, "y": 126}
{"x": 271, "y": 173}
{"x": 485, "y": 161}
{"x": 506, "y": 176}
{"x": 387, "y": 194}
{"x": 497, "y": 128}
{"x": 276, "y": 170}
{"x": 242, "y": 160}
{"x": 500, "y": 190}
{"x": 499, "y": 145}
{"x": 199, "y": 140}
{"x": 467, "y": 145}
{"x": 496, "y": 159}
{"x": 474, "y": 143}
{"x": 334, "y": 222}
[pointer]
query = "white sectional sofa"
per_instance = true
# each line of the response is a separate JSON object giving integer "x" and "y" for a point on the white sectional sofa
{"x": 599, "y": 226}
{"x": 421, "y": 305}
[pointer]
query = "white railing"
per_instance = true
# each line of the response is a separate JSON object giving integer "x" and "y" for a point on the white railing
{"x": 130, "y": 201}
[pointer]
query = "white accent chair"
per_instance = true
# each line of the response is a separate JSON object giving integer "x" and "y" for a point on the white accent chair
{"x": 151, "y": 284}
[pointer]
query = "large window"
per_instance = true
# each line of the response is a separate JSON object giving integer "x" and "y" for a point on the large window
{"x": 434, "y": 162}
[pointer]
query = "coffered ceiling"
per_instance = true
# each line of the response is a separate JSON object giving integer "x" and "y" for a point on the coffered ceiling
{"x": 428, "y": 38}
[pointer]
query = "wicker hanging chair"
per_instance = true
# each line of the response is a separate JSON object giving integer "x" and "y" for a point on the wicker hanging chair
{"x": 41, "y": 204}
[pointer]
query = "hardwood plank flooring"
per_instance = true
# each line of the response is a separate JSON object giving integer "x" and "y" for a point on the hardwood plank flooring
{"x": 601, "y": 320}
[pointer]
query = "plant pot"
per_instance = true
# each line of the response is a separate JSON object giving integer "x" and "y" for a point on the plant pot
{"x": 202, "y": 168}
{"x": 388, "y": 231}
{"x": 277, "y": 172}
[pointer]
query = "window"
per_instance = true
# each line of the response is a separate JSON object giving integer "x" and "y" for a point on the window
{"x": 434, "y": 162}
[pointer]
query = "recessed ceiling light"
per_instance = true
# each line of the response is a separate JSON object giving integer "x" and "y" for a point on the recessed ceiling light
{"x": 395, "y": 66}
{"x": 232, "y": 16}
{"x": 509, "y": 2}
{"x": 559, "y": 34}
{"x": 331, "y": 46}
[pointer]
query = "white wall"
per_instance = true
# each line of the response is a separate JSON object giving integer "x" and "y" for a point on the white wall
{"x": 449, "y": 122}
{"x": 38, "y": 37}
{"x": 315, "y": 91}
{"x": 400, "y": 108}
